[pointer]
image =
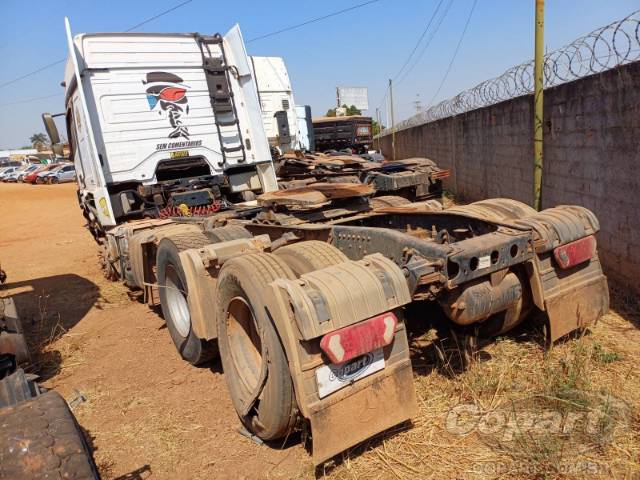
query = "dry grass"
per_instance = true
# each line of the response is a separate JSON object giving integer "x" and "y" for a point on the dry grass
{"x": 521, "y": 412}
{"x": 53, "y": 348}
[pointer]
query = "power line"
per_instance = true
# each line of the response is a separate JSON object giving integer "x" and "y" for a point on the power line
{"x": 455, "y": 53}
{"x": 158, "y": 15}
{"x": 57, "y": 62}
{"x": 313, "y": 20}
{"x": 32, "y": 73}
{"x": 424, "y": 32}
{"x": 428, "y": 42}
{"x": 426, "y": 45}
{"x": 18, "y": 102}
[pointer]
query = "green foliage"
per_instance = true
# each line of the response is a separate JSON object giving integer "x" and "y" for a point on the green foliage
{"x": 38, "y": 139}
{"x": 600, "y": 355}
{"x": 352, "y": 110}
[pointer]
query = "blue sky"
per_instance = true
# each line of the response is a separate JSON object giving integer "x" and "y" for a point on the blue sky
{"x": 363, "y": 47}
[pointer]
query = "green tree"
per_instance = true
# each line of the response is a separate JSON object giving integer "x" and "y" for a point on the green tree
{"x": 376, "y": 127}
{"x": 352, "y": 110}
{"x": 38, "y": 140}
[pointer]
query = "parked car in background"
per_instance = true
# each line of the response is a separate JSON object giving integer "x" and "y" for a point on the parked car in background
{"x": 31, "y": 178}
{"x": 20, "y": 174}
{"x": 41, "y": 177}
{"x": 12, "y": 177}
{"x": 66, "y": 173}
{"x": 6, "y": 172}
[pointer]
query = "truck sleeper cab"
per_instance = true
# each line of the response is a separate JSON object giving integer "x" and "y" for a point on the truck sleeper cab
{"x": 163, "y": 123}
{"x": 276, "y": 100}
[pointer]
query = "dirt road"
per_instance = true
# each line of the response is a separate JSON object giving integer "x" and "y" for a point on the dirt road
{"x": 146, "y": 411}
{"x": 150, "y": 415}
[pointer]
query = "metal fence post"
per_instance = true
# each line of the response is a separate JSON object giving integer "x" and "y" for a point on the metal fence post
{"x": 538, "y": 115}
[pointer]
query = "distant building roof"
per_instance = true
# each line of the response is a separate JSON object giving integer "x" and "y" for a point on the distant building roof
{"x": 26, "y": 151}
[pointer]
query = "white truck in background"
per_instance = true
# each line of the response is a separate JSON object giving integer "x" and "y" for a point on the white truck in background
{"x": 305, "y": 128}
{"x": 286, "y": 124}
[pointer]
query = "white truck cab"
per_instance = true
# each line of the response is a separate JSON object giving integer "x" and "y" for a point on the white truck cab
{"x": 158, "y": 122}
{"x": 277, "y": 103}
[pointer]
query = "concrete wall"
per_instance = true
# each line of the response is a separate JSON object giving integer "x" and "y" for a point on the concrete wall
{"x": 591, "y": 156}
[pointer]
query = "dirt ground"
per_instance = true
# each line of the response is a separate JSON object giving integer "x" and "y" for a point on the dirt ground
{"x": 150, "y": 415}
{"x": 147, "y": 412}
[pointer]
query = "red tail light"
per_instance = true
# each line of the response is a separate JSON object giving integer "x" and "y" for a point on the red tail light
{"x": 355, "y": 340}
{"x": 575, "y": 252}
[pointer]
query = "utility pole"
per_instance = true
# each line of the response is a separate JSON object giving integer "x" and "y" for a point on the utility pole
{"x": 379, "y": 126}
{"x": 417, "y": 104}
{"x": 538, "y": 102}
{"x": 393, "y": 124}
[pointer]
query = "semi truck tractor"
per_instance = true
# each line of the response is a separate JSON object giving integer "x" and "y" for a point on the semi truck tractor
{"x": 302, "y": 293}
{"x": 276, "y": 101}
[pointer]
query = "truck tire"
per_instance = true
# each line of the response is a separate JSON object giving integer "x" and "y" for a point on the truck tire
{"x": 226, "y": 233}
{"x": 247, "y": 338}
{"x": 172, "y": 286}
{"x": 57, "y": 447}
{"x": 385, "y": 201}
{"x": 305, "y": 257}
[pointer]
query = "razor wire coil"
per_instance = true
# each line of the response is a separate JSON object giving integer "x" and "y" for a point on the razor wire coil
{"x": 615, "y": 44}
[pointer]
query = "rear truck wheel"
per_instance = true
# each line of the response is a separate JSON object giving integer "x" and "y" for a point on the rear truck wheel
{"x": 172, "y": 286}
{"x": 385, "y": 201}
{"x": 226, "y": 233}
{"x": 253, "y": 358}
{"x": 305, "y": 257}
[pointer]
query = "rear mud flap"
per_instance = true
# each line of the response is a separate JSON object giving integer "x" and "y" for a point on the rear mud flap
{"x": 579, "y": 309}
{"x": 352, "y": 415}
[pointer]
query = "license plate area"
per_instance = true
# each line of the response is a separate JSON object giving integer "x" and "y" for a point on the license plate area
{"x": 333, "y": 377}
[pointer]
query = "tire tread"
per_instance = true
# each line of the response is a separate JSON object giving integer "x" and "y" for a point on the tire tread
{"x": 313, "y": 254}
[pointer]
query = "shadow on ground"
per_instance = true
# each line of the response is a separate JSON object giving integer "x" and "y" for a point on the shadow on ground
{"x": 49, "y": 307}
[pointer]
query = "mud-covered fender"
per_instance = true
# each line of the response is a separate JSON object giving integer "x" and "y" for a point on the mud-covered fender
{"x": 325, "y": 300}
{"x": 201, "y": 267}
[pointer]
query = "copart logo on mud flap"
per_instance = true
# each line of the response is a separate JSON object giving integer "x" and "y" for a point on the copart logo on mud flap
{"x": 350, "y": 369}
{"x": 168, "y": 91}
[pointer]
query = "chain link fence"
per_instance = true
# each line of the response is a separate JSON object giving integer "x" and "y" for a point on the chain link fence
{"x": 607, "y": 47}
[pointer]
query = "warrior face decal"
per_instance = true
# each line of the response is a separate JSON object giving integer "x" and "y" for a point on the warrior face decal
{"x": 167, "y": 90}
